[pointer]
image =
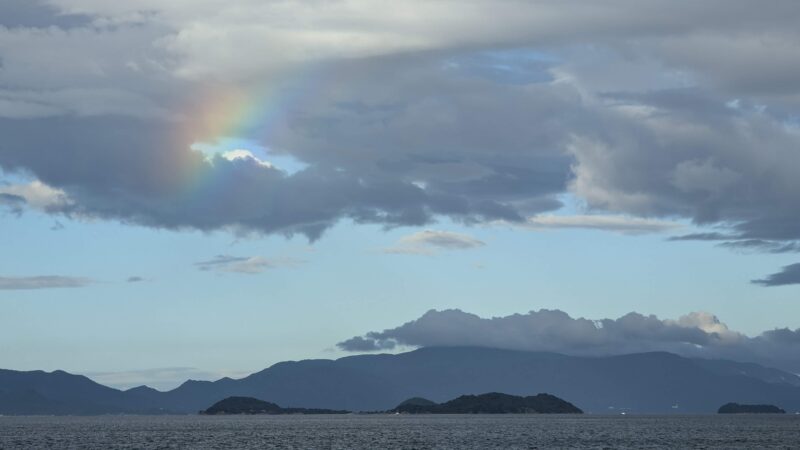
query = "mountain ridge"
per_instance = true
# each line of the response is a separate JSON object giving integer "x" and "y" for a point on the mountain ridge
{"x": 652, "y": 382}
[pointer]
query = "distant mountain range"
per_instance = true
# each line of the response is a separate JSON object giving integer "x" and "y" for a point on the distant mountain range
{"x": 638, "y": 383}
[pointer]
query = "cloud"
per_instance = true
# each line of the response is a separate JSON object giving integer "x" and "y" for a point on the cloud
{"x": 42, "y": 282}
{"x": 15, "y": 204}
{"x": 245, "y": 264}
{"x": 36, "y": 195}
{"x": 399, "y": 121}
{"x": 431, "y": 241}
{"x": 762, "y": 246}
{"x": 696, "y": 334}
{"x": 619, "y": 224}
{"x": 712, "y": 236}
{"x": 134, "y": 279}
{"x": 788, "y": 275}
{"x": 37, "y": 13}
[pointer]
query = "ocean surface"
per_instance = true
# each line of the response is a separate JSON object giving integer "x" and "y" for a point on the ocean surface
{"x": 403, "y": 431}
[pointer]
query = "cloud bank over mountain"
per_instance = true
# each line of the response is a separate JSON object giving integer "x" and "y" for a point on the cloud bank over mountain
{"x": 696, "y": 334}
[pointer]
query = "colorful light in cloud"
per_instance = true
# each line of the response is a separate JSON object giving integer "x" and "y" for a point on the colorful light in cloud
{"x": 237, "y": 122}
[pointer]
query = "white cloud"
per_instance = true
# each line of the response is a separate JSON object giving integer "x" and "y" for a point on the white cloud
{"x": 428, "y": 242}
{"x": 233, "y": 155}
{"x": 619, "y": 224}
{"x": 37, "y": 194}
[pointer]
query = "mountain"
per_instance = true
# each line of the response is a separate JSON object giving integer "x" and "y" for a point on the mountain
{"x": 59, "y": 392}
{"x": 249, "y": 405}
{"x": 735, "y": 408}
{"x": 644, "y": 382}
{"x": 491, "y": 403}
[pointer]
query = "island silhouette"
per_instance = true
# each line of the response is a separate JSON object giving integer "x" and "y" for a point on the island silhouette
{"x": 489, "y": 403}
{"x": 736, "y": 408}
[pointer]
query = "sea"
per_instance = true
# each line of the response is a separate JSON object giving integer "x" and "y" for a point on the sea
{"x": 402, "y": 432}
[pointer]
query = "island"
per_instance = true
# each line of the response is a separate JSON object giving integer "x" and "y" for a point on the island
{"x": 735, "y": 408}
{"x": 491, "y": 403}
{"x": 249, "y": 405}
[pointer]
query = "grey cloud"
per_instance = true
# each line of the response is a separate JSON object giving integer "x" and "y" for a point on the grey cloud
{"x": 761, "y": 245}
{"x": 737, "y": 242}
{"x": 365, "y": 344}
{"x": 730, "y": 167}
{"x": 15, "y": 204}
{"x": 788, "y": 275}
{"x": 38, "y": 14}
{"x": 695, "y": 335}
{"x": 713, "y": 236}
{"x": 135, "y": 279}
{"x": 42, "y": 282}
{"x": 403, "y": 122}
{"x": 135, "y": 178}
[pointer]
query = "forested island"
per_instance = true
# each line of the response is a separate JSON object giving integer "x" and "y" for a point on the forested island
{"x": 491, "y": 403}
{"x": 249, "y": 405}
{"x": 736, "y": 408}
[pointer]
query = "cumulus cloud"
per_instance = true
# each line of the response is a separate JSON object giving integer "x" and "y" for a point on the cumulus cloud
{"x": 42, "y": 282}
{"x": 245, "y": 264}
{"x": 619, "y": 224}
{"x": 428, "y": 242}
{"x": 696, "y": 334}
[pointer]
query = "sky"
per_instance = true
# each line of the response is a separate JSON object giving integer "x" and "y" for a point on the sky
{"x": 198, "y": 189}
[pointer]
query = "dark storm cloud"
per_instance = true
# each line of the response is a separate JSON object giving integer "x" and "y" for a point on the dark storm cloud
{"x": 788, "y": 275}
{"x": 42, "y": 282}
{"x": 694, "y": 335}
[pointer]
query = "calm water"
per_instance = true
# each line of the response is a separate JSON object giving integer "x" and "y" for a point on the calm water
{"x": 417, "y": 432}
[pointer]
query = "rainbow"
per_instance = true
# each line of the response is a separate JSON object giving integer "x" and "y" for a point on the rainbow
{"x": 234, "y": 112}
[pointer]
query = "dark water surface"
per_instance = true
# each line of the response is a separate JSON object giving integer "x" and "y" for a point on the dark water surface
{"x": 411, "y": 432}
